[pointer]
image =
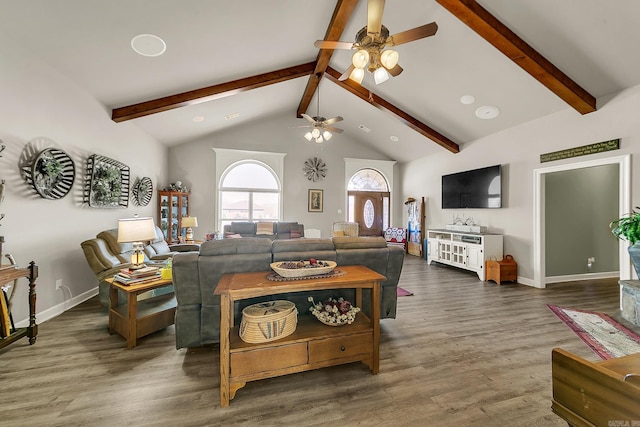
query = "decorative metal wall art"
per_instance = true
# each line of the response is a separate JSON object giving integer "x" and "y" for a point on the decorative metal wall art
{"x": 51, "y": 173}
{"x": 142, "y": 191}
{"x": 106, "y": 183}
{"x": 315, "y": 169}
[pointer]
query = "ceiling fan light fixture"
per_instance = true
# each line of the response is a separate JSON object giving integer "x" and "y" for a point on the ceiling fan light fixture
{"x": 380, "y": 75}
{"x": 315, "y": 133}
{"x": 327, "y": 135}
{"x": 308, "y": 136}
{"x": 357, "y": 75}
{"x": 389, "y": 58}
{"x": 360, "y": 59}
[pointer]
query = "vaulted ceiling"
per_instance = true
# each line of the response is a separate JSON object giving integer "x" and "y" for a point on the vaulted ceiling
{"x": 257, "y": 59}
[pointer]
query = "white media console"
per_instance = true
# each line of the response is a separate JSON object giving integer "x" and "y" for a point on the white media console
{"x": 463, "y": 249}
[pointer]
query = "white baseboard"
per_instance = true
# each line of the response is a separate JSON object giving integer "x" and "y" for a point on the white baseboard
{"x": 57, "y": 310}
{"x": 586, "y": 276}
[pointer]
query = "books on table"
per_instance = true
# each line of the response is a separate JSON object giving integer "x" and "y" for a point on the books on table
{"x": 129, "y": 276}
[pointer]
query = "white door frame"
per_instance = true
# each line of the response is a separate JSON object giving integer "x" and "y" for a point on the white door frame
{"x": 624, "y": 206}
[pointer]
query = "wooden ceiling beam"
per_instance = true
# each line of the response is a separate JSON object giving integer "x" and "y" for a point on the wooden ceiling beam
{"x": 210, "y": 93}
{"x": 384, "y": 105}
{"x": 341, "y": 16}
{"x": 516, "y": 49}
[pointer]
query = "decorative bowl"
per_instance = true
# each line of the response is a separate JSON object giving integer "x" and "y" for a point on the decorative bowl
{"x": 324, "y": 268}
{"x": 334, "y": 312}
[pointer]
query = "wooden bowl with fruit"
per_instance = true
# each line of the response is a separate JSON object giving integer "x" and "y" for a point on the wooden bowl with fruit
{"x": 302, "y": 268}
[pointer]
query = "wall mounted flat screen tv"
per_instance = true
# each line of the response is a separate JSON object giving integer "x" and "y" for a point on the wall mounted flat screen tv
{"x": 473, "y": 189}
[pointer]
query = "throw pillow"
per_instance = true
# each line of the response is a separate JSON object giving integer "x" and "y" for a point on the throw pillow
{"x": 232, "y": 236}
{"x": 337, "y": 233}
{"x": 264, "y": 228}
{"x": 294, "y": 234}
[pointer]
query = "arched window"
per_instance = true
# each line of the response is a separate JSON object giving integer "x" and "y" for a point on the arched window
{"x": 249, "y": 191}
{"x": 368, "y": 201}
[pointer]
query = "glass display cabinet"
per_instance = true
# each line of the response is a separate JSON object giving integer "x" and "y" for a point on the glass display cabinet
{"x": 172, "y": 207}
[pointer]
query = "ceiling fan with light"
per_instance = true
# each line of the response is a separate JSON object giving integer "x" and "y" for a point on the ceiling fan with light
{"x": 370, "y": 45}
{"x": 321, "y": 127}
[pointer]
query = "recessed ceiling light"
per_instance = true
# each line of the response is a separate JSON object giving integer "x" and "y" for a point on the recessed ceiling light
{"x": 197, "y": 119}
{"x": 468, "y": 99}
{"x": 232, "y": 116}
{"x": 148, "y": 45}
{"x": 363, "y": 128}
{"x": 487, "y": 112}
{"x": 394, "y": 138}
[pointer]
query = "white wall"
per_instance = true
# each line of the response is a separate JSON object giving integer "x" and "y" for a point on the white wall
{"x": 41, "y": 108}
{"x": 518, "y": 150}
{"x": 194, "y": 164}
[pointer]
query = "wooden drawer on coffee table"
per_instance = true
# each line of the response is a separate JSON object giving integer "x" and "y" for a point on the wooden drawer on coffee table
{"x": 340, "y": 347}
{"x": 268, "y": 359}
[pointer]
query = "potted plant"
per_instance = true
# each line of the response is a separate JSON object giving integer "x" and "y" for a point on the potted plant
{"x": 628, "y": 228}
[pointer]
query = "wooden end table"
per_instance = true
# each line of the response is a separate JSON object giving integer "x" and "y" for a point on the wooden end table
{"x": 312, "y": 345}
{"x": 137, "y": 319}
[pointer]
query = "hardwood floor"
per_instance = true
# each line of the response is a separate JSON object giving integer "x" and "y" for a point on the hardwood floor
{"x": 461, "y": 353}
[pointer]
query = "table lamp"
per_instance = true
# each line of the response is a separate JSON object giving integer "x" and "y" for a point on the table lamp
{"x": 189, "y": 221}
{"x": 136, "y": 230}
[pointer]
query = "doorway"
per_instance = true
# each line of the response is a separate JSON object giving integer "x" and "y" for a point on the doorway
{"x": 624, "y": 206}
{"x": 369, "y": 211}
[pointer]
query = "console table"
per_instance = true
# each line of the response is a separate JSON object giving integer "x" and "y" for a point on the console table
{"x": 312, "y": 345}
{"x": 8, "y": 274}
{"x": 465, "y": 250}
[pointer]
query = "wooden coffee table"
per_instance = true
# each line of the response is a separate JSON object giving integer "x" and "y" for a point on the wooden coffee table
{"x": 312, "y": 345}
{"x": 136, "y": 319}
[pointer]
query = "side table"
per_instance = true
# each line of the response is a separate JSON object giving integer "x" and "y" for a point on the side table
{"x": 9, "y": 273}
{"x": 136, "y": 319}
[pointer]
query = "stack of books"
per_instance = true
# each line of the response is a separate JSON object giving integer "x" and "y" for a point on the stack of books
{"x": 127, "y": 276}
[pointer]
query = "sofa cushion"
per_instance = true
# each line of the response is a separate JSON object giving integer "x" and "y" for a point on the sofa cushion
{"x": 244, "y": 228}
{"x": 111, "y": 237}
{"x": 359, "y": 242}
{"x": 248, "y": 245}
{"x": 264, "y": 229}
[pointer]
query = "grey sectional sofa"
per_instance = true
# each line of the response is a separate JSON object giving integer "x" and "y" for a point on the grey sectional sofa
{"x": 196, "y": 275}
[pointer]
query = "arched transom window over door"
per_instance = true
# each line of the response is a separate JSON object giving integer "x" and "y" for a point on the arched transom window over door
{"x": 249, "y": 191}
{"x": 368, "y": 202}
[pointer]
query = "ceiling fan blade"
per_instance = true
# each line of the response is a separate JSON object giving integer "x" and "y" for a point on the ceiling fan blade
{"x": 308, "y": 117}
{"x": 298, "y": 127}
{"x": 332, "y": 129}
{"x": 417, "y": 33}
{"x": 395, "y": 70}
{"x": 346, "y": 73}
{"x": 328, "y": 44}
{"x": 374, "y": 16}
{"x": 333, "y": 120}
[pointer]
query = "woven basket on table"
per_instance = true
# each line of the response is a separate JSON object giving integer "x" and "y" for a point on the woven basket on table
{"x": 268, "y": 321}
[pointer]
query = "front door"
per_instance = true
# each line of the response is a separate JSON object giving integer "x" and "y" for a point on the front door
{"x": 369, "y": 211}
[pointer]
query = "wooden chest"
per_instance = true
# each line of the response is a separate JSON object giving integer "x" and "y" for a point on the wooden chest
{"x": 502, "y": 271}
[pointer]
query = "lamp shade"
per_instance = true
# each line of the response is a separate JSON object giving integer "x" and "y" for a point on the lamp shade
{"x": 360, "y": 58}
{"x": 136, "y": 230}
{"x": 189, "y": 221}
{"x": 389, "y": 58}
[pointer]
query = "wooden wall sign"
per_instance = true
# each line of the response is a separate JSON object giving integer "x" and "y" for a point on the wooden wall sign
{"x": 599, "y": 147}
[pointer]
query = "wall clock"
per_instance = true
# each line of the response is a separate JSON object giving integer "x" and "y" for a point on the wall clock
{"x": 315, "y": 169}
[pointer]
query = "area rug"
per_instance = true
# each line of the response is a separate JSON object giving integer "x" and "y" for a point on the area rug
{"x": 403, "y": 292}
{"x": 606, "y": 337}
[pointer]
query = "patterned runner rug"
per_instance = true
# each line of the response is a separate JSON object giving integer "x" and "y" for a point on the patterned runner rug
{"x": 606, "y": 337}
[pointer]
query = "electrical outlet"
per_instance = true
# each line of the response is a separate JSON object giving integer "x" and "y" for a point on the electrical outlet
{"x": 58, "y": 284}
{"x": 591, "y": 259}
